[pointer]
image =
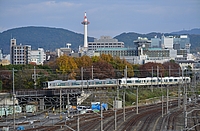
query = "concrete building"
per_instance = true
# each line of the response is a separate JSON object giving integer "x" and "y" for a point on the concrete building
{"x": 105, "y": 42}
{"x": 19, "y": 54}
{"x": 155, "y": 42}
{"x": 168, "y": 42}
{"x": 4, "y": 62}
{"x": 63, "y": 51}
{"x": 38, "y": 56}
{"x": 121, "y": 52}
{"x": 141, "y": 44}
{"x": 157, "y": 53}
{"x": 184, "y": 64}
{"x": 182, "y": 42}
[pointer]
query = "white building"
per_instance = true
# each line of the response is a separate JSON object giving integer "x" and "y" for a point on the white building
{"x": 38, "y": 56}
{"x": 105, "y": 42}
{"x": 168, "y": 42}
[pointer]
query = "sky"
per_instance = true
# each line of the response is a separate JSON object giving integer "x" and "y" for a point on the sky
{"x": 106, "y": 17}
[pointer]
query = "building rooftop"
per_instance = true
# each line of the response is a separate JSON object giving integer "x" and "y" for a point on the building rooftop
{"x": 112, "y": 49}
{"x": 153, "y": 49}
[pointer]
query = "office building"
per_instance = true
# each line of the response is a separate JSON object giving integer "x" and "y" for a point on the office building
{"x": 121, "y": 52}
{"x": 155, "y": 42}
{"x": 142, "y": 44}
{"x": 168, "y": 42}
{"x": 105, "y": 42}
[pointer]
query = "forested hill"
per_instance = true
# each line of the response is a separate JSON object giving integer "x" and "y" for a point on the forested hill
{"x": 52, "y": 38}
{"x": 45, "y": 37}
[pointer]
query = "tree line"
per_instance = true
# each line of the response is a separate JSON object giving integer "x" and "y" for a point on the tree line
{"x": 67, "y": 67}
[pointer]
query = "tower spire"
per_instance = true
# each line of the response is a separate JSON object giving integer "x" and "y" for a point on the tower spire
{"x": 85, "y": 23}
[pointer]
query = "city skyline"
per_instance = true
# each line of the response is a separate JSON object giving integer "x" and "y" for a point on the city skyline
{"x": 109, "y": 18}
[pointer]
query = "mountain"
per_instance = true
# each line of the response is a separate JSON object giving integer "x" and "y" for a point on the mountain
{"x": 195, "y": 31}
{"x": 45, "y": 37}
{"x": 52, "y": 38}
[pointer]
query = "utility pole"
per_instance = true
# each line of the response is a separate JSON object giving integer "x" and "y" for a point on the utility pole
{"x": 68, "y": 112}
{"x": 34, "y": 78}
{"x": 184, "y": 102}
{"x": 124, "y": 106}
{"x": 82, "y": 78}
{"x": 92, "y": 73}
{"x": 162, "y": 96}
{"x": 101, "y": 108}
{"x": 151, "y": 78}
{"x": 78, "y": 123}
{"x": 137, "y": 101}
{"x": 179, "y": 100}
{"x": 13, "y": 71}
{"x": 124, "y": 96}
{"x": 117, "y": 88}
{"x": 60, "y": 103}
{"x": 115, "y": 109}
{"x": 168, "y": 92}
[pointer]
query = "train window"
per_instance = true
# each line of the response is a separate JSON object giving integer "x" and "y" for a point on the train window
{"x": 129, "y": 81}
{"x": 98, "y": 82}
{"x": 44, "y": 84}
{"x": 137, "y": 81}
{"x": 170, "y": 80}
{"x": 109, "y": 82}
{"x": 120, "y": 81}
{"x": 62, "y": 84}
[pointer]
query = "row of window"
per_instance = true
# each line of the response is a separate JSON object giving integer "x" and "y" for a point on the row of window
{"x": 92, "y": 44}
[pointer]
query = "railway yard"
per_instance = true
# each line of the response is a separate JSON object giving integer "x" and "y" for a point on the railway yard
{"x": 150, "y": 117}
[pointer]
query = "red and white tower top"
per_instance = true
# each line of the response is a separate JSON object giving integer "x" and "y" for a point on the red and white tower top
{"x": 85, "y": 21}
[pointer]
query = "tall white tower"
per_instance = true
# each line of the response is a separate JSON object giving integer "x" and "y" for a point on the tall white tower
{"x": 85, "y": 23}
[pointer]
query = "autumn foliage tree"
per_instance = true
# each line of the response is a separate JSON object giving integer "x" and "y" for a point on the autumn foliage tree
{"x": 103, "y": 69}
{"x": 171, "y": 68}
{"x": 66, "y": 66}
{"x": 147, "y": 69}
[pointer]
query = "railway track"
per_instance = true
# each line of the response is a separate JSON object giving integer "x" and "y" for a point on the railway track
{"x": 134, "y": 122}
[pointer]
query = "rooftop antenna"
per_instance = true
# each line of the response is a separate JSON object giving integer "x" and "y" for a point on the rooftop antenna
{"x": 68, "y": 44}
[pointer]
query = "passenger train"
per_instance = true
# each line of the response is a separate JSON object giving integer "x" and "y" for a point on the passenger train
{"x": 116, "y": 82}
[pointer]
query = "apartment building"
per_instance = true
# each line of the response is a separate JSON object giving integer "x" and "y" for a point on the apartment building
{"x": 19, "y": 54}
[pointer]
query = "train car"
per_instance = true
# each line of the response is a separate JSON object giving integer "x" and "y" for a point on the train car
{"x": 123, "y": 82}
{"x": 153, "y": 81}
{"x": 56, "y": 84}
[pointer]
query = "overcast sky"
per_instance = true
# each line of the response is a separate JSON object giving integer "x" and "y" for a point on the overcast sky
{"x": 106, "y": 17}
